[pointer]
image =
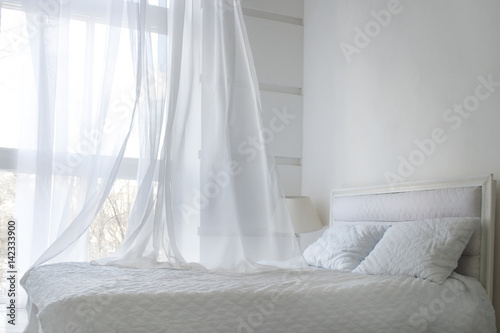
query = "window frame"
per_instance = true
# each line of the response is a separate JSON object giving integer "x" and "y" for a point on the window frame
{"x": 87, "y": 11}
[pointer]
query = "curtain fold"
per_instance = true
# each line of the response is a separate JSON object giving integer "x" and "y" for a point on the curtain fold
{"x": 74, "y": 133}
{"x": 216, "y": 204}
{"x": 208, "y": 194}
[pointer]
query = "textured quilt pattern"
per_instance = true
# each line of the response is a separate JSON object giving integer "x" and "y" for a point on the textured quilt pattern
{"x": 79, "y": 297}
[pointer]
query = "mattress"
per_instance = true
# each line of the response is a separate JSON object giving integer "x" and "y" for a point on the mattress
{"x": 79, "y": 297}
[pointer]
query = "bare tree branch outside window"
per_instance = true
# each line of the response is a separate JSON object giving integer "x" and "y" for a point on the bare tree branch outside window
{"x": 105, "y": 234}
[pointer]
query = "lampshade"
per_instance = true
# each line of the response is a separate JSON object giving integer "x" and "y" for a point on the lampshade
{"x": 303, "y": 215}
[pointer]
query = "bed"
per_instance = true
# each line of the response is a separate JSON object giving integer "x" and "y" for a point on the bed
{"x": 80, "y": 297}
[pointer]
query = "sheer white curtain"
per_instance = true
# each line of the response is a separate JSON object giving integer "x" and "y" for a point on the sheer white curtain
{"x": 75, "y": 121}
{"x": 205, "y": 198}
{"x": 213, "y": 201}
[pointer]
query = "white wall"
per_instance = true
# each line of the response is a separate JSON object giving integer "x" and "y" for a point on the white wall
{"x": 363, "y": 117}
{"x": 275, "y": 30}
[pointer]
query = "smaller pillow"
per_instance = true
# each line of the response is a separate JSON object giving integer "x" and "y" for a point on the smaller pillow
{"x": 343, "y": 247}
{"x": 428, "y": 249}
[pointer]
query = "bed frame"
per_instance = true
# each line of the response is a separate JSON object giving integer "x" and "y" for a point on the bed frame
{"x": 468, "y": 197}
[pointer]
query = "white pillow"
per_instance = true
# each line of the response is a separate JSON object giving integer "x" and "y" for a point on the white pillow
{"x": 343, "y": 247}
{"x": 428, "y": 249}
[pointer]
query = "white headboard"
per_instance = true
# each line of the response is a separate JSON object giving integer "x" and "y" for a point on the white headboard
{"x": 468, "y": 197}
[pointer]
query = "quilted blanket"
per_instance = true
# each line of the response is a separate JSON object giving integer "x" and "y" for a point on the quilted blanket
{"x": 79, "y": 297}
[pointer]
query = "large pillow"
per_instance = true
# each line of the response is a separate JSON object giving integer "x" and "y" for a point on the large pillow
{"x": 343, "y": 247}
{"x": 428, "y": 249}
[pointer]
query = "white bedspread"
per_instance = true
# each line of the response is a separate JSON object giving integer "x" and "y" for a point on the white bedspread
{"x": 79, "y": 297}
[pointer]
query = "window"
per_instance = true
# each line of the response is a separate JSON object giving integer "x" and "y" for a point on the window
{"x": 108, "y": 229}
{"x": 86, "y": 35}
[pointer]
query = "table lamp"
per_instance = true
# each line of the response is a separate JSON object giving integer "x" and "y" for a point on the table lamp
{"x": 303, "y": 215}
